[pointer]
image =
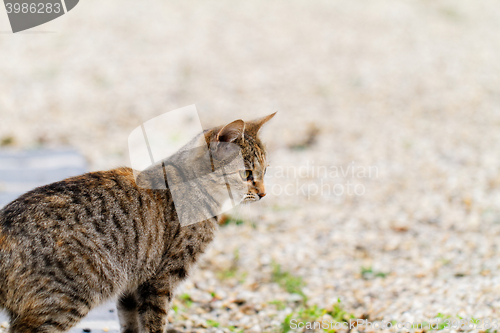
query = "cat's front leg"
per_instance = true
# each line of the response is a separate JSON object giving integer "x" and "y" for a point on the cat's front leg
{"x": 154, "y": 300}
{"x": 128, "y": 314}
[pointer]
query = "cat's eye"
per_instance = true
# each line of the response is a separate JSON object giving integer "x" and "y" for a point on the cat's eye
{"x": 246, "y": 174}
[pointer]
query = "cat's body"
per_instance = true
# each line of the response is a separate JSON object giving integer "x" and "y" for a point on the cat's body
{"x": 68, "y": 246}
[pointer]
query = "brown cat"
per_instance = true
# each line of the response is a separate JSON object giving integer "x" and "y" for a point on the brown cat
{"x": 68, "y": 246}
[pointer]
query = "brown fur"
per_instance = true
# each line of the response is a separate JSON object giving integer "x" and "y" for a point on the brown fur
{"x": 68, "y": 246}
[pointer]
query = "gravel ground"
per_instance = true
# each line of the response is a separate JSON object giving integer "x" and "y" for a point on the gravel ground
{"x": 406, "y": 94}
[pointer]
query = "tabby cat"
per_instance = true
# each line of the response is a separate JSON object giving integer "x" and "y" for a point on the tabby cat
{"x": 69, "y": 246}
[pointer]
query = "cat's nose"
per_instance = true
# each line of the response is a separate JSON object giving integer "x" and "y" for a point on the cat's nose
{"x": 261, "y": 189}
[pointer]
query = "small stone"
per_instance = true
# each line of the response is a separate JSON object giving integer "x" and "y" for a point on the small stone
{"x": 294, "y": 298}
{"x": 255, "y": 328}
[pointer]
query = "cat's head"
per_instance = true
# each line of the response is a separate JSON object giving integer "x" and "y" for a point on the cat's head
{"x": 247, "y": 179}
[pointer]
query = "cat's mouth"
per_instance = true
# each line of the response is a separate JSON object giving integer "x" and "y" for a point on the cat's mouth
{"x": 250, "y": 197}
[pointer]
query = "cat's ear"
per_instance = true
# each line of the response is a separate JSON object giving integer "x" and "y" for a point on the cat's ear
{"x": 223, "y": 148}
{"x": 254, "y": 126}
{"x": 231, "y": 131}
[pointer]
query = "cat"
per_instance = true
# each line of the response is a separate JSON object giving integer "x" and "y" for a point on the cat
{"x": 69, "y": 246}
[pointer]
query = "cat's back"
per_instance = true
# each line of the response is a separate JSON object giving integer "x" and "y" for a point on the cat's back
{"x": 74, "y": 197}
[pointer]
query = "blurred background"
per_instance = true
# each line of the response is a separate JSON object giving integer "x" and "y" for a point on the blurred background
{"x": 410, "y": 89}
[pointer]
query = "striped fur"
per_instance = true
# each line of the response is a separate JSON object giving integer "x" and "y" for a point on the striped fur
{"x": 69, "y": 246}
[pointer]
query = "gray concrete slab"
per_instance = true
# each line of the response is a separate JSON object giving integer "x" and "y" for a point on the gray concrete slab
{"x": 21, "y": 171}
